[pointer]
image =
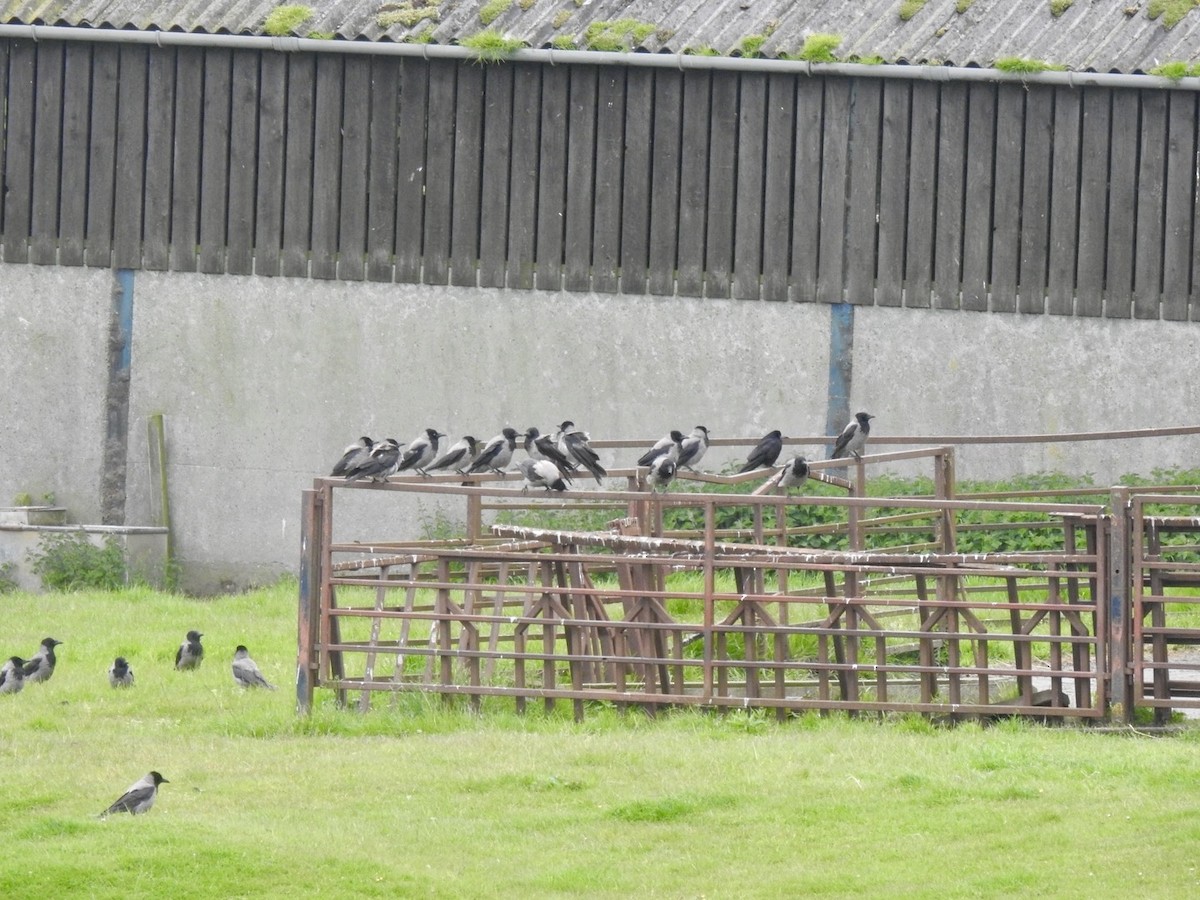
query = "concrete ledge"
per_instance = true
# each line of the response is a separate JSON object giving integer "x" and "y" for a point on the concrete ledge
{"x": 144, "y": 549}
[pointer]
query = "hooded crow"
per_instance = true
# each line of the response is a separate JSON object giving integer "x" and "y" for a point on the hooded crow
{"x": 765, "y": 452}
{"x": 575, "y": 446}
{"x": 120, "y": 674}
{"x": 693, "y": 448}
{"x": 457, "y": 457}
{"x": 41, "y": 665}
{"x": 353, "y": 456}
{"x": 662, "y": 472}
{"x": 497, "y": 453}
{"x": 421, "y": 452}
{"x": 246, "y": 671}
{"x": 794, "y": 473}
{"x": 140, "y": 796}
{"x": 190, "y": 653}
{"x": 670, "y": 445}
{"x": 853, "y": 438}
{"x": 12, "y": 678}
{"x": 542, "y": 446}
{"x": 379, "y": 464}
{"x": 543, "y": 473}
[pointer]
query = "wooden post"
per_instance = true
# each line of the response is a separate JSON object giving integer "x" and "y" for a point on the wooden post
{"x": 308, "y": 611}
{"x": 1118, "y": 595}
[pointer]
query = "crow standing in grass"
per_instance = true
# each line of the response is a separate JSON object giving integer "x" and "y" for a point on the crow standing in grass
{"x": 41, "y": 665}
{"x": 246, "y": 672}
{"x": 765, "y": 452}
{"x": 353, "y": 456}
{"x": 120, "y": 674}
{"x": 140, "y": 796}
{"x": 190, "y": 653}
{"x": 575, "y": 445}
{"x": 12, "y": 675}
{"x": 853, "y": 438}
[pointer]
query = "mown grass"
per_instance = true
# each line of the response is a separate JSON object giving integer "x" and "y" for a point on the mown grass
{"x": 415, "y": 798}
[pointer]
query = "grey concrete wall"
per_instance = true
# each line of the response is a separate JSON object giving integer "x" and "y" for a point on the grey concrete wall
{"x": 261, "y": 382}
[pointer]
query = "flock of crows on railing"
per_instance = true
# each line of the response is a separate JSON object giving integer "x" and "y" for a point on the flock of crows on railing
{"x": 553, "y": 460}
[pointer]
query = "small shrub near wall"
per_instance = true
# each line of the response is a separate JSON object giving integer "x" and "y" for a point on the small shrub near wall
{"x": 71, "y": 562}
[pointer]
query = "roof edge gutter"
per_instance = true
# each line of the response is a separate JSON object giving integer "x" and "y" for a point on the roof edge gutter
{"x": 553, "y": 57}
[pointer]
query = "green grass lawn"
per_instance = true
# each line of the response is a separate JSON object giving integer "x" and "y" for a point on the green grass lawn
{"x": 415, "y": 799}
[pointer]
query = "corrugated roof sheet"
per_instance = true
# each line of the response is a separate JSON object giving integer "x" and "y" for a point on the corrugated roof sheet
{"x": 1095, "y": 35}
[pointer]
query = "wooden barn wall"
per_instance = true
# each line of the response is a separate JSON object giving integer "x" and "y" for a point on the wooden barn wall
{"x": 1003, "y": 197}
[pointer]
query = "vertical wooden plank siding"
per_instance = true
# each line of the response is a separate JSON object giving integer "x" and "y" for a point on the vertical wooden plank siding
{"x": 523, "y": 174}
{"x": 1093, "y": 203}
{"x": 980, "y": 189}
{"x": 581, "y": 176}
{"x": 1147, "y": 258}
{"x": 47, "y": 146}
{"x": 831, "y": 271}
{"x": 410, "y": 169}
{"x": 1006, "y": 215}
{"x": 102, "y": 156}
{"x": 214, "y": 159}
{"x": 439, "y": 174}
{"x": 468, "y": 158}
{"x": 327, "y": 165}
{"x": 922, "y": 174}
{"x": 355, "y": 159}
{"x": 131, "y": 157}
{"x": 609, "y": 183}
{"x": 635, "y": 181}
{"x": 778, "y": 186}
{"x": 185, "y": 166}
{"x": 693, "y": 184}
{"x": 1064, "y": 202}
{"x": 298, "y": 166}
{"x": 272, "y": 146}
{"x": 665, "y": 179}
{"x": 862, "y": 218}
{"x": 748, "y": 196}
{"x": 243, "y": 163}
{"x": 1035, "y": 202}
{"x": 381, "y": 168}
{"x": 160, "y": 136}
{"x": 893, "y": 199}
{"x": 552, "y": 169}
{"x": 497, "y": 156}
{"x": 1180, "y": 197}
{"x": 4, "y": 126}
{"x": 72, "y": 209}
{"x": 18, "y": 158}
{"x": 1118, "y": 281}
{"x": 951, "y": 197}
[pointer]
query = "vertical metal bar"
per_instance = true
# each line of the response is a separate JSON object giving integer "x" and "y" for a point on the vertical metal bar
{"x": 710, "y": 582}
{"x": 308, "y": 607}
{"x": 1120, "y": 582}
{"x": 331, "y": 628}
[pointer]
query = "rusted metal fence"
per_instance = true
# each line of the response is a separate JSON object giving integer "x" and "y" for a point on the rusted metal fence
{"x": 876, "y": 609}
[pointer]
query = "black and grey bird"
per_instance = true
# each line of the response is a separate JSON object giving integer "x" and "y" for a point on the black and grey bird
{"x": 357, "y": 453}
{"x": 12, "y": 675}
{"x": 140, "y": 796}
{"x": 765, "y": 452}
{"x": 379, "y": 464}
{"x": 41, "y": 665}
{"x": 542, "y": 473}
{"x": 458, "y": 457}
{"x": 422, "y": 450}
{"x": 693, "y": 448}
{"x": 120, "y": 673}
{"x": 853, "y": 438}
{"x": 662, "y": 472}
{"x": 246, "y": 671}
{"x": 576, "y": 446}
{"x": 794, "y": 473}
{"x": 671, "y": 445}
{"x": 543, "y": 446}
{"x": 190, "y": 653}
{"x": 497, "y": 453}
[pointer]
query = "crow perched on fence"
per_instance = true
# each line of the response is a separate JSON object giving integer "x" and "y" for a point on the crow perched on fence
{"x": 853, "y": 438}
{"x": 765, "y": 452}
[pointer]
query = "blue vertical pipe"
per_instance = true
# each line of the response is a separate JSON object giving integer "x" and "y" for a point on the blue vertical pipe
{"x": 841, "y": 367}
{"x": 125, "y": 319}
